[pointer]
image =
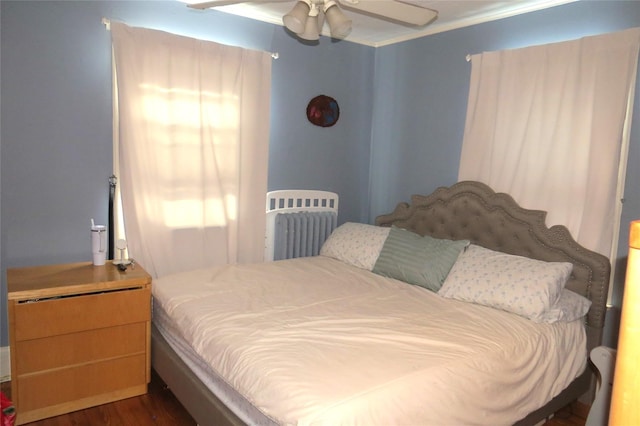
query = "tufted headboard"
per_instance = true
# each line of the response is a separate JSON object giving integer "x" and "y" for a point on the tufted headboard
{"x": 473, "y": 211}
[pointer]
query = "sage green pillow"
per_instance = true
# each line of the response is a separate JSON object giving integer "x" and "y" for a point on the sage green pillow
{"x": 418, "y": 260}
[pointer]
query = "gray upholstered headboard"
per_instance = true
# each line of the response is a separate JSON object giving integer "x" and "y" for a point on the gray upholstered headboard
{"x": 472, "y": 210}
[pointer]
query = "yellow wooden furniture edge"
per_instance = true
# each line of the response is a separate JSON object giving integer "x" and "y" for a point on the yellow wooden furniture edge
{"x": 625, "y": 399}
{"x": 79, "y": 336}
{"x": 38, "y": 282}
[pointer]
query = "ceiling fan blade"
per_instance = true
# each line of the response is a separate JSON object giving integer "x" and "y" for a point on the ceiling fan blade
{"x": 392, "y": 10}
{"x": 209, "y": 4}
{"x": 195, "y": 4}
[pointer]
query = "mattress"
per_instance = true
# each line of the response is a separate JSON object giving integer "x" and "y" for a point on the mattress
{"x": 314, "y": 341}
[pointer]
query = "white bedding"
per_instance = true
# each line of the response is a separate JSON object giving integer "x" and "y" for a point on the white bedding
{"x": 315, "y": 341}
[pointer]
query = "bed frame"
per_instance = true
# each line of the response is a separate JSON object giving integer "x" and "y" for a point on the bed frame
{"x": 466, "y": 210}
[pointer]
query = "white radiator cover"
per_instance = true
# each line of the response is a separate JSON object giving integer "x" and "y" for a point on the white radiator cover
{"x": 298, "y": 222}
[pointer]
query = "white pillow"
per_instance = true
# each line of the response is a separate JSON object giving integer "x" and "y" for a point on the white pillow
{"x": 517, "y": 284}
{"x": 356, "y": 244}
{"x": 570, "y": 307}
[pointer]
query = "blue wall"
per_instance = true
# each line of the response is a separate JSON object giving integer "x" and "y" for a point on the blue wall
{"x": 400, "y": 130}
{"x": 57, "y": 118}
{"x": 417, "y": 134}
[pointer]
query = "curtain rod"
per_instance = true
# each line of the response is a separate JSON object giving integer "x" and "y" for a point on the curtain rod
{"x": 107, "y": 23}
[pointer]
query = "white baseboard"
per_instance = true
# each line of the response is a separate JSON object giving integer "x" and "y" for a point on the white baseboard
{"x": 5, "y": 364}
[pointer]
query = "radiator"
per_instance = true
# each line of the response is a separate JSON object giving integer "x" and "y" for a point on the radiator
{"x": 298, "y": 222}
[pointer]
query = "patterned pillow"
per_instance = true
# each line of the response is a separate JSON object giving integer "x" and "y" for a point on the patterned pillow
{"x": 517, "y": 284}
{"x": 570, "y": 307}
{"x": 356, "y": 244}
{"x": 418, "y": 260}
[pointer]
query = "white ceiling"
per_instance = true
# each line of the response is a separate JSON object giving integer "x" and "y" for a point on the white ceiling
{"x": 377, "y": 32}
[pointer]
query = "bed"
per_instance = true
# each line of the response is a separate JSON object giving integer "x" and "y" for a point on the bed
{"x": 355, "y": 336}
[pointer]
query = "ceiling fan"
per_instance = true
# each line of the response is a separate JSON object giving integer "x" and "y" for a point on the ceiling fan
{"x": 307, "y": 17}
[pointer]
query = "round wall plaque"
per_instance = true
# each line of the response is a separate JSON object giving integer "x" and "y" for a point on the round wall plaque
{"x": 323, "y": 111}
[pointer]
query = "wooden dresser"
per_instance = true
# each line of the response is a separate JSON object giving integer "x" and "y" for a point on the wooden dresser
{"x": 79, "y": 336}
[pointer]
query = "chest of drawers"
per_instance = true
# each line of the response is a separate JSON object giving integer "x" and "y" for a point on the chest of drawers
{"x": 79, "y": 336}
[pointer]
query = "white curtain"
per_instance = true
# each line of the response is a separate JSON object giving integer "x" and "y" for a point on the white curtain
{"x": 193, "y": 134}
{"x": 548, "y": 125}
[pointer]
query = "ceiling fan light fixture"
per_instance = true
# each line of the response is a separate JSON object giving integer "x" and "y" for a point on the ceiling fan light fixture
{"x": 296, "y": 19}
{"x": 339, "y": 24}
{"x": 311, "y": 28}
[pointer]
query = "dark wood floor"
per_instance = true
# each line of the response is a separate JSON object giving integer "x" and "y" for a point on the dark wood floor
{"x": 160, "y": 407}
{"x": 157, "y": 407}
{"x": 571, "y": 415}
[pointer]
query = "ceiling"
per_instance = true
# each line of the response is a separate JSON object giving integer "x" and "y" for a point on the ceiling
{"x": 377, "y": 32}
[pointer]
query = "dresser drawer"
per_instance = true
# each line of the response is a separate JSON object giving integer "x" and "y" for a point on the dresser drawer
{"x": 78, "y": 348}
{"x": 73, "y": 314}
{"x": 78, "y": 383}
{"x": 79, "y": 336}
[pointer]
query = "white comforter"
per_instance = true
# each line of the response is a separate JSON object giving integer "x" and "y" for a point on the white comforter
{"x": 315, "y": 341}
